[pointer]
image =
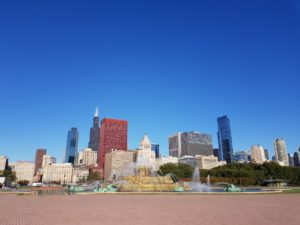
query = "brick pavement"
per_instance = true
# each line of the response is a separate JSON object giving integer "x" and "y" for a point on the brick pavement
{"x": 151, "y": 209}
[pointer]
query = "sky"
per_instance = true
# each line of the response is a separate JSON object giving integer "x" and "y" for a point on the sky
{"x": 165, "y": 66}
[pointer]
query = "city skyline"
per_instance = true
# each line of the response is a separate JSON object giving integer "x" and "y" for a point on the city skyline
{"x": 165, "y": 67}
{"x": 166, "y": 153}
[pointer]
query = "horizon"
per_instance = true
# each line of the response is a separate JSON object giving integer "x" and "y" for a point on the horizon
{"x": 164, "y": 66}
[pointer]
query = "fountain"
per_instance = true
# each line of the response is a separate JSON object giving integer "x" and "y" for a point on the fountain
{"x": 208, "y": 183}
{"x": 196, "y": 185}
{"x": 140, "y": 176}
{"x": 144, "y": 182}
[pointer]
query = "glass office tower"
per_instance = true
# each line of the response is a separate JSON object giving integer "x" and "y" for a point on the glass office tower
{"x": 225, "y": 140}
{"x": 72, "y": 146}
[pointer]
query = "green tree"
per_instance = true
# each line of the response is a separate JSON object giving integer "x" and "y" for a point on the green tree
{"x": 181, "y": 171}
{"x": 94, "y": 176}
{"x": 23, "y": 182}
{"x": 10, "y": 175}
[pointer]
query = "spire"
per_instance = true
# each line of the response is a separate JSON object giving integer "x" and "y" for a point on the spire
{"x": 97, "y": 112}
{"x": 145, "y": 142}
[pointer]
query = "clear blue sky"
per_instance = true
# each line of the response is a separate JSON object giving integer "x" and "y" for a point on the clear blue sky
{"x": 165, "y": 66}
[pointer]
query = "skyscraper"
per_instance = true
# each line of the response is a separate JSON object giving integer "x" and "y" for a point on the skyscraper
{"x": 216, "y": 153}
{"x": 175, "y": 145}
{"x": 267, "y": 154}
{"x": 113, "y": 136}
{"x": 190, "y": 144}
{"x": 39, "y": 159}
{"x": 241, "y": 156}
{"x": 95, "y": 132}
{"x": 72, "y": 146}
{"x": 297, "y": 159}
{"x": 291, "y": 160}
{"x": 258, "y": 154}
{"x": 281, "y": 153}
{"x": 225, "y": 139}
{"x": 155, "y": 148}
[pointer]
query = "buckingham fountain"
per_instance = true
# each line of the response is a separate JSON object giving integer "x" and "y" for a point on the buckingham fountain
{"x": 142, "y": 176}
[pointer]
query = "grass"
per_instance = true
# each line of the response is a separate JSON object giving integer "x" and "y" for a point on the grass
{"x": 292, "y": 191}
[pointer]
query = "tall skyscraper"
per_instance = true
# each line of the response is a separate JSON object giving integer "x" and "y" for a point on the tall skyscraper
{"x": 297, "y": 159}
{"x": 190, "y": 144}
{"x": 113, "y": 136}
{"x": 39, "y": 159}
{"x": 291, "y": 160}
{"x": 267, "y": 154}
{"x": 225, "y": 139}
{"x": 281, "y": 153}
{"x": 175, "y": 145}
{"x": 72, "y": 146}
{"x": 258, "y": 154}
{"x": 95, "y": 132}
{"x": 216, "y": 153}
{"x": 155, "y": 148}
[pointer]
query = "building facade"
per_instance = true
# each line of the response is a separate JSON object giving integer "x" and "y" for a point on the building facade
{"x": 95, "y": 133}
{"x": 3, "y": 163}
{"x": 190, "y": 144}
{"x": 39, "y": 160}
{"x": 72, "y": 146}
{"x": 225, "y": 139}
{"x": 113, "y": 136}
{"x": 24, "y": 171}
{"x": 117, "y": 163}
{"x": 165, "y": 160}
{"x": 189, "y": 160}
{"x": 267, "y": 155}
{"x": 48, "y": 160}
{"x": 80, "y": 173}
{"x": 241, "y": 157}
{"x": 281, "y": 153}
{"x": 175, "y": 145}
{"x": 155, "y": 148}
{"x": 59, "y": 173}
{"x": 297, "y": 159}
{"x": 206, "y": 162}
{"x": 291, "y": 160}
{"x": 145, "y": 157}
{"x": 258, "y": 154}
{"x": 87, "y": 157}
{"x": 216, "y": 152}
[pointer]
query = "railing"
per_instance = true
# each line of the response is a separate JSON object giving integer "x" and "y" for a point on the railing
{"x": 46, "y": 191}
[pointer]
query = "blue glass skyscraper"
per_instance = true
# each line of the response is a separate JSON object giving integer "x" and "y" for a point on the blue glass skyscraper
{"x": 155, "y": 148}
{"x": 225, "y": 140}
{"x": 72, "y": 146}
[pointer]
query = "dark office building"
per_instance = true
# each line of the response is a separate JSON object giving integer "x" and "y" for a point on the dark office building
{"x": 291, "y": 160}
{"x": 225, "y": 139}
{"x": 267, "y": 154}
{"x": 95, "y": 133}
{"x": 190, "y": 144}
{"x": 155, "y": 148}
{"x": 216, "y": 153}
{"x": 39, "y": 159}
{"x": 297, "y": 159}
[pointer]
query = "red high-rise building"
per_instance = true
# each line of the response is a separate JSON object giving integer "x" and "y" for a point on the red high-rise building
{"x": 113, "y": 136}
{"x": 39, "y": 159}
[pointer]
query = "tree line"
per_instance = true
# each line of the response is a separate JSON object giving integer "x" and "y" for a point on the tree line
{"x": 239, "y": 174}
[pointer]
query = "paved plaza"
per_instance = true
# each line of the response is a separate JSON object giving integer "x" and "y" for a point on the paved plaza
{"x": 151, "y": 209}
